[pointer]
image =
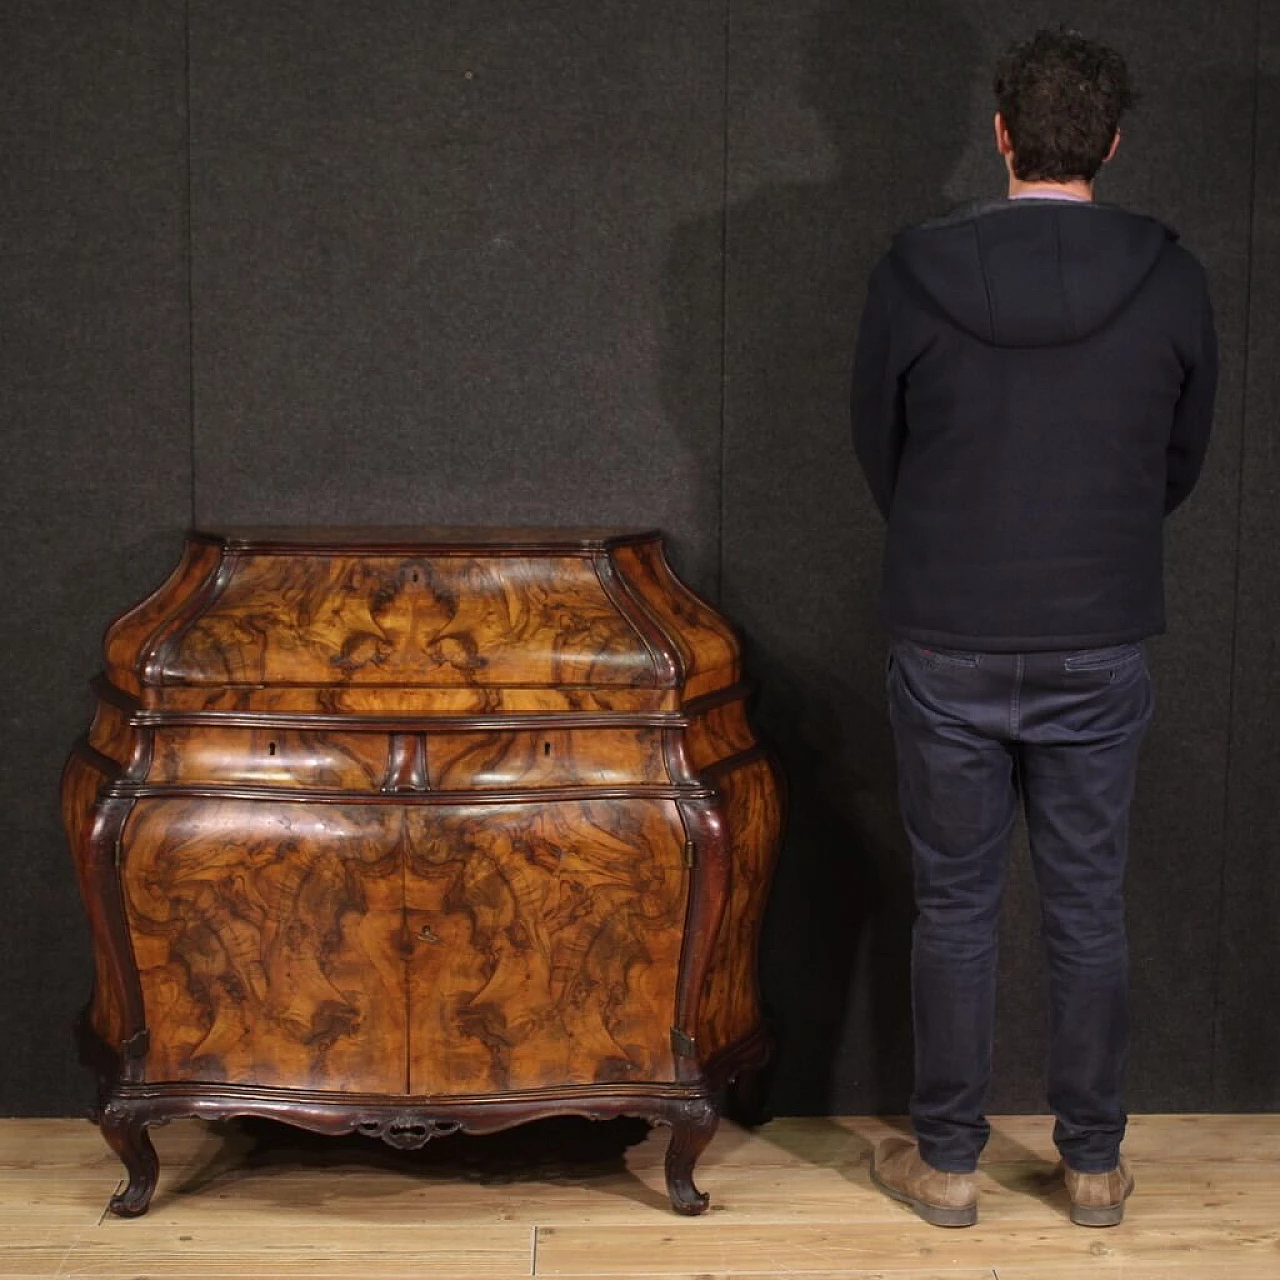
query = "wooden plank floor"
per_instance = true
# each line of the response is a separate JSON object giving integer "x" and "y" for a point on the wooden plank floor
{"x": 568, "y": 1198}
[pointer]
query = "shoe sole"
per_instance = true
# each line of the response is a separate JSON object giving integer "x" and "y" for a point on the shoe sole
{"x": 935, "y": 1215}
{"x": 1107, "y": 1215}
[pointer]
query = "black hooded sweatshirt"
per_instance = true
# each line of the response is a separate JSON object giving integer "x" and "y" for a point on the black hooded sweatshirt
{"x": 1033, "y": 393}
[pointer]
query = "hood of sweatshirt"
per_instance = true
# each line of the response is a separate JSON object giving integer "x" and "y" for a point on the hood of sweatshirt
{"x": 1032, "y": 273}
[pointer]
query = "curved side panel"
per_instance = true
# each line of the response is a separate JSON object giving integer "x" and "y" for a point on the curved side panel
{"x": 708, "y": 895}
{"x": 709, "y": 649}
{"x": 666, "y": 655}
{"x": 114, "y": 735}
{"x": 128, "y": 636}
{"x": 93, "y": 828}
{"x": 753, "y": 804}
{"x": 718, "y": 733}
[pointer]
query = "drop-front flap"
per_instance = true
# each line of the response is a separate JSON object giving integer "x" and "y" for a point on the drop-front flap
{"x": 416, "y": 609}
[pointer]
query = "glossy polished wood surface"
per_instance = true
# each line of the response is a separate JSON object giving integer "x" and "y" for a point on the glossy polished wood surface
{"x": 268, "y": 942}
{"x": 545, "y": 943}
{"x": 403, "y": 831}
{"x": 403, "y": 620}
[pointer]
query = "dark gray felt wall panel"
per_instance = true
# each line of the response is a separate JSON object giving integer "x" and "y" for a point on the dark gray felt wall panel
{"x": 435, "y": 277}
{"x": 847, "y": 120}
{"x": 96, "y": 477}
{"x": 1247, "y": 1040}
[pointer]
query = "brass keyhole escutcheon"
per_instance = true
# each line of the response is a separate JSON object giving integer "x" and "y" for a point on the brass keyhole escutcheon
{"x": 428, "y": 934}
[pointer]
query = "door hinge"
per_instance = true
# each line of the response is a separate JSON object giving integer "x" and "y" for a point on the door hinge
{"x": 690, "y": 853}
{"x": 682, "y": 1045}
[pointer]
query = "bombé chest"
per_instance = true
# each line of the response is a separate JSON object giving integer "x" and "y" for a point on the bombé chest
{"x": 405, "y": 831}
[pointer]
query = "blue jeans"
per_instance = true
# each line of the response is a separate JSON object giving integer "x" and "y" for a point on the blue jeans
{"x": 975, "y": 734}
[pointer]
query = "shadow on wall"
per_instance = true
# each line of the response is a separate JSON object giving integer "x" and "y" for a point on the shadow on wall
{"x": 890, "y": 87}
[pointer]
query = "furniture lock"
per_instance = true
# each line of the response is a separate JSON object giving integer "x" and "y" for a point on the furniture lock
{"x": 428, "y": 934}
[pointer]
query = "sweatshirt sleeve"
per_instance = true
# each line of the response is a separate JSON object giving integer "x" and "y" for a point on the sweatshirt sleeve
{"x": 879, "y": 427}
{"x": 1193, "y": 414}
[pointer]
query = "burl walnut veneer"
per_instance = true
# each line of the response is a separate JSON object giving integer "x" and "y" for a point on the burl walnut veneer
{"x": 408, "y": 831}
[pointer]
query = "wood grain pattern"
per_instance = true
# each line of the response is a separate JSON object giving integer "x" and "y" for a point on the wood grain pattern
{"x": 545, "y": 758}
{"x": 730, "y": 1008}
{"x": 546, "y": 944}
{"x": 114, "y": 735}
{"x": 99, "y": 890}
{"x": 709, "y": 650}
{"x": 371, "y": 700}
{"x": 322, "y": 760}
{"x": 269, "y": 942}
{"x": 409, "y": 621}
{"x": 423, "y": 835}
{"x": 130, "y": 635}
{"x": 719, "y": 732}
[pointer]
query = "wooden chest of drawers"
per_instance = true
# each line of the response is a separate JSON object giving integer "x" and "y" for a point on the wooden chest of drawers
{"x": 407, "y": 831}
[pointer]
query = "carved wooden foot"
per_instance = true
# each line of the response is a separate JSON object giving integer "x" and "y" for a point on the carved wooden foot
{"x": 693, "y": 1124}
{"x": 127, "y": 1133}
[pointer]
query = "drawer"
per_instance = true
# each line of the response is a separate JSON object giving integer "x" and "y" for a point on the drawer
{"x": 376, "y": 761}
{"x": 270, "y": 757}
{"x": 511, "y": 759}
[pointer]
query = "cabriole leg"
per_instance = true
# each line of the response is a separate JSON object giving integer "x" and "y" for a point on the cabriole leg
{"x": 126, "y": 1131}
{"x": 693, "y": 1124}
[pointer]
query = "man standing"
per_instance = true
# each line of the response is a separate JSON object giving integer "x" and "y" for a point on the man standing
{"x": 1033, "y": 393}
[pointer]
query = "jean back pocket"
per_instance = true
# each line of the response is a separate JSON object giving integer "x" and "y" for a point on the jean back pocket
{"x": 1107, "y": 659}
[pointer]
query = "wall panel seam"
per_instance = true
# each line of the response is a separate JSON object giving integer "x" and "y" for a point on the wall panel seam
{"x": 1220, "y": 940}
{"x": 724, "y": 305}
{"x": 190, "y": 263}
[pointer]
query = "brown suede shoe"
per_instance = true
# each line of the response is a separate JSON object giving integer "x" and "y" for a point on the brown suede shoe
{"x": 941, "y": 1199}
{"x": 1097, "y": 1199}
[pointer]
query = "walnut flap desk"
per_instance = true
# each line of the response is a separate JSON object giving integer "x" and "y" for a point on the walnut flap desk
{"x": 411, "y": 831}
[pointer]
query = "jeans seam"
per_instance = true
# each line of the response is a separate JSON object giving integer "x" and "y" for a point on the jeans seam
{"x": 1094, "y": 664}
{"x": 1015, "y": 710}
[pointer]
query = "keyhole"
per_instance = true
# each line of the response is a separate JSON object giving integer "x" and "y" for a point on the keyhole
{"x": 271, "y": 748}
{"x": 415, "y": 575}
{"x": 546, "y": 748}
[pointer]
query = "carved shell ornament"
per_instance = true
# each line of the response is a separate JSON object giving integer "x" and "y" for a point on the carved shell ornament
{"x": 406, "y": 1130}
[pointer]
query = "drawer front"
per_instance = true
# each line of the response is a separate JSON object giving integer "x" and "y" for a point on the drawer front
{"x": 291, "y": 758}
{"x": 544, "y": 944}
{"x": 510, "y": 760}
{"x": 439, "y": 760}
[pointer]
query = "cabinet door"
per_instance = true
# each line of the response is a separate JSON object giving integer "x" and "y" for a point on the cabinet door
{"x": 269, "y": 941}
{"x": 545, "y": 943}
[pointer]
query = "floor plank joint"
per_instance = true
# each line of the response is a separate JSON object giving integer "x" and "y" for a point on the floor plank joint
{"x": 259, "y": 1202}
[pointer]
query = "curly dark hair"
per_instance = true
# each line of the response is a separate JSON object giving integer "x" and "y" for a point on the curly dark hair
{"x": 1061, "y": 97}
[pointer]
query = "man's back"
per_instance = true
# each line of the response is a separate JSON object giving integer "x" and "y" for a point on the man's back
{"x": 1034, "y": 392}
